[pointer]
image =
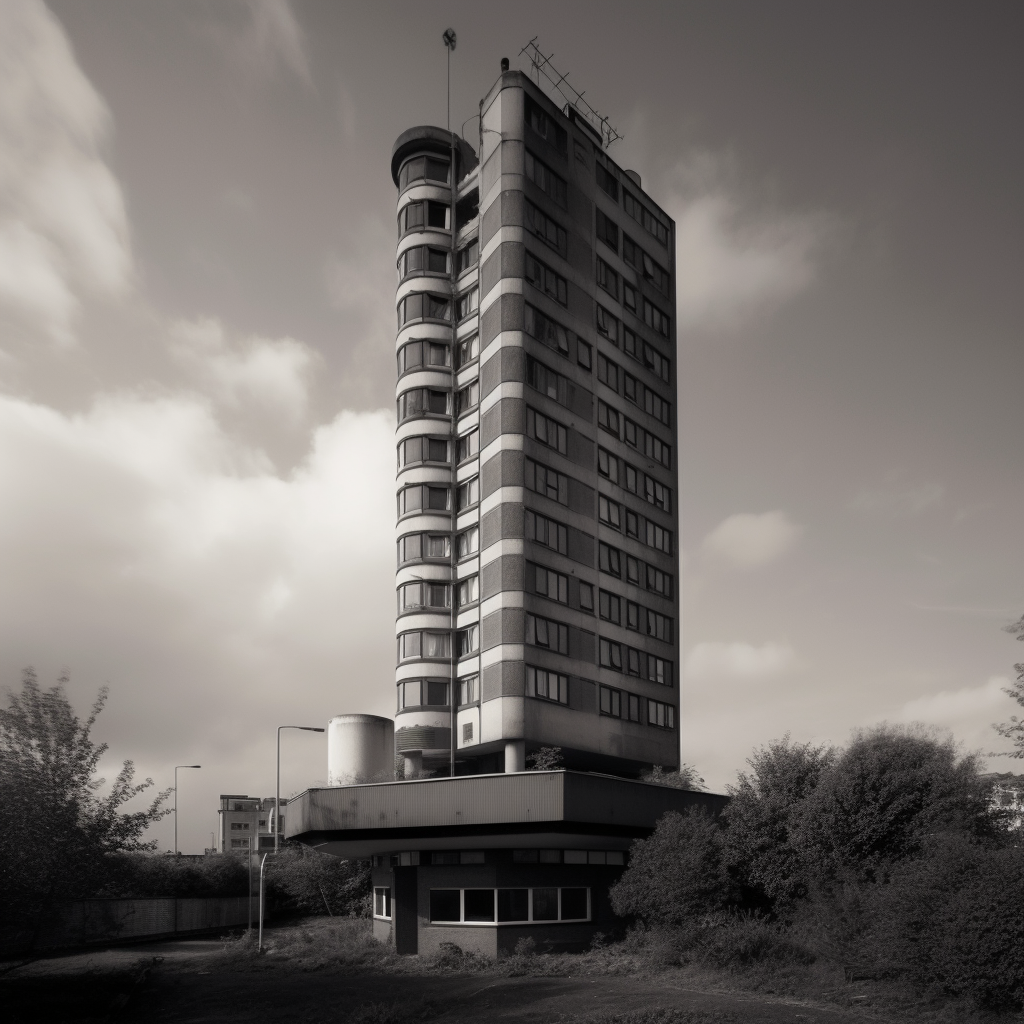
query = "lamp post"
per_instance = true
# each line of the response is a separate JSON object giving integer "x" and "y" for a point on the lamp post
{"x": 277, "y": 802}
{"x": 176, "y": 767}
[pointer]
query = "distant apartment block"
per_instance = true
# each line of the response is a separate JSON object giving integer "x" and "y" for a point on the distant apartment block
{"x": 248, "y": 822}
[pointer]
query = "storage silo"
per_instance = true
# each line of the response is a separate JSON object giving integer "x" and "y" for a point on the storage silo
{"x": 360, "y": 748}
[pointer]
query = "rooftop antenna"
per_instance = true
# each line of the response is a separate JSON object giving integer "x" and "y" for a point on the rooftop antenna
{"x": 541, "y": 65}
{"x": 449, "y": 43}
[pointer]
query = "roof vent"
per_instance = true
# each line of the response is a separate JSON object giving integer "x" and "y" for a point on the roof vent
{"x": 635, "y": 177}
{"x": 504, "y": 64}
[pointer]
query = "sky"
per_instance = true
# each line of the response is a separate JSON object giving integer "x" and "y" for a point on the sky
{"x": 197, "y": 369}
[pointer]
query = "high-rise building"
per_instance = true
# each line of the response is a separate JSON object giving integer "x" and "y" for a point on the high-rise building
{"x": 537, "y": 466}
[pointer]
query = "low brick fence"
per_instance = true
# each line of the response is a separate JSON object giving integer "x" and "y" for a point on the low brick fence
{"x": 106, "y": 921}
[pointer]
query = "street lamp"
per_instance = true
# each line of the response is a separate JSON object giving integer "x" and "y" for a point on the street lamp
{"x": 277, "y": 804}
{"x": 176, "y": 767}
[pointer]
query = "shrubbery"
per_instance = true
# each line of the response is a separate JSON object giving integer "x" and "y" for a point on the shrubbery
{"x": 882, "y": 858}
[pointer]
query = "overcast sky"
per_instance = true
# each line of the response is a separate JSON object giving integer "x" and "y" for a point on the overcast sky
{"x": 197, "y": 369}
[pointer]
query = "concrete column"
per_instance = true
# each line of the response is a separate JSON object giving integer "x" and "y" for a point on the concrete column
{"x": 515, "y": 755}
{"x": 413, "y": 765}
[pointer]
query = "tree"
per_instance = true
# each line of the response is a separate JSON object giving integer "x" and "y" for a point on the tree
{"x": 761, "y": 818}
{"x": 545, "y": 759}
{"x": 57, "y": 833}
{"x": 893, "y": 787}
{"x": 683, "y": 777}
{"x": 1014, "y": 728}
{"x": 677, "y": 874}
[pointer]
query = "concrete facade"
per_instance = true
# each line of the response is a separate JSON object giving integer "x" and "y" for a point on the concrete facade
{"x": 247, "y": 822}
{"x": 537, "y": 483}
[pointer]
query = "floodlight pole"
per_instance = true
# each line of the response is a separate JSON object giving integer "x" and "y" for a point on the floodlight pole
{"x": 277, "y": 802}
{"x": 176, "y": 767}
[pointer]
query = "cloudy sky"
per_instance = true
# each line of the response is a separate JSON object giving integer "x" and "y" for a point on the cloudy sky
{"x": 197, "y": 371}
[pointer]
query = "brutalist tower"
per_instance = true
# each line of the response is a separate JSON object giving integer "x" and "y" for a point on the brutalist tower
{"x": 537, "y": 480}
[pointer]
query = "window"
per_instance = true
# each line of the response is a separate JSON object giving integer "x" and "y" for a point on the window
{"x": 609, "y": 606}
{"x": 542, "y": 632}
{"x": 611, "y": 701}
{"x": 629, "y": 297}
{"x": 644, "y": 441}
{"x": 546, "y": 280}
{"x": 546, "y": 180}
{"x": 547, "y": 685}
{"x": 240, "y": 844}
{"x": 608, "y": 325}
{"x": 606, "y": 180}
{"x": 659, "y": 670}
{"x": 659, "y": 582}
{"x": 543, "y": 227}
{"x": 467, "y": 640}
{"x": 644, "y": 217}
{"x": 608, "y": 465}
{"x": 426, "y": 214}
{"x": 468, "y": 256}
{"x": 545, "y": 127}
{"x": 609, "y": 512}
{"x": 607, "y": 232}
{"x": 655, "y": 318}
{"x": 658, "y": 537}
{"x": 608, "y": 418}
{"x": 469, "y": 302}
{"x": 468, "y": 542}
{"x": 634, "y": 569}
{"x": 547, "y": 481}
{"x": 422, "y": 594}
{"x": 586, "y": 597}
{"x": 467, "y": 732}
{"x": 418, "y": 355}
{"x": 414, "y": 450}
{"x": 609, "y": 559}
{"x": 467, "y": 591}
{"x": 468, "y": 396}
{"x": 417, "y": 693}
{"x": 423, "y": 259}
{"x": 607, "y": 278}
{"x": 468, "y": 445}
{"x": 650, "y": 401}
{"x": 469, "y": 689}
{"x": 469, "y": 349}
{"x": 633, "y": 616}
{"x": 239, "y": 826}
{"x": 468, "y": 493}
{"x": 647, "y": 355}
{"x": 584, "y": 356}
{"x": 418, "y": 167}
{"x": 423, "y": 306}
{"x": 651, "y": 271}
{"x": 546, "y": 531}
{"x": 661, "y": 715}
{"x": 607, "y": 372}
{"x": 547, "y": 331}
{"x": 520, "y": 905}
{"x": 382, "y": 903}
{"x": 415, "y": 546}
{"x": 550, "y": 584}
{"x": 423, "y": 498}
{"x": 659, "y": 626}
{"x": 547, "y": 431}
{"x": 424, "y": 643}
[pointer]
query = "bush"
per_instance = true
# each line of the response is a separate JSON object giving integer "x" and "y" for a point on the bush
{"x": 151, "y": 874}
{"x": 317, "y": 883}
{"x": 677, "y": 874}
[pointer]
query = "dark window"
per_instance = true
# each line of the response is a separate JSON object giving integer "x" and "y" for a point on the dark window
{"x": 635, "y": 209}
{"x": 416, "y": 216}
{"x": 608, "y": 372}
{"x": 468, "y": 445}
{"x": 586, "y": 597}
{"x": 545, "y": 904}
{"x": 607, "y": 231}
{"x": 479, "y": 904}
{"x": 437, "y": 693}
{"x": 661, "y": 715}
{"x": 422, "y": 305}
{"x": 606, "y": 180}
{"x": 423, "y": 259}
{"x": 469, "y": 349}
{"x": 543, "y": 278}
{"x": 445, "y": 905}
{"x": 468, "y": 256}
{"x": 548, "y": 583}
{"x": 550, "y": 232}
{"x": 547, "y": 331}
{"x": 655, "y": 318}
{"x": 584, "y": 355}
{"x": 468, "y": 302}
{"x": 607, "y": 278}
{"x": 415, "y": 450}
{"x": 610, "y": 559}
{"x": 513, "y": 904}
{"x": 415, "y": 546}
{"x": 545, "y": 179}
{"x": 418, "y": 355}
{"x": 546, "y": 531}
{"x": 541, "y": 632}
{"x": 422, "y": 402}
{"x": 547, "y": 431}
{"x": 608, "y": 325}
{"x": 420, "y": 167}
{"x": 546, "y": 685}
{"x": 545, "y": 126}
{"x": 546, "y": 481}
{"x": 468, "y": 396}
{"x": 611, "y": 703}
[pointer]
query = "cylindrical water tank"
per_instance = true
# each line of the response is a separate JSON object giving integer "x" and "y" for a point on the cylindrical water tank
{"x": 360, "y": 748}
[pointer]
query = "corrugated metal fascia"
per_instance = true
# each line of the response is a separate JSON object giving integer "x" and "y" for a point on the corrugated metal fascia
{"x": 605, "y": 799}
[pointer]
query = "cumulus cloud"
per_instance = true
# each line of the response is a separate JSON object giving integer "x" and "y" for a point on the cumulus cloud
{"x": 63, "y": 226}
{"x": 739, "y": 660}
{"x": 272, "y": 372}
{"x": 734, "y": 258}
{"x": 748, "y": 540}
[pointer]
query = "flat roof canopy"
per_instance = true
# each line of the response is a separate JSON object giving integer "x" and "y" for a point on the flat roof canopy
{"x": 523, "y": 809}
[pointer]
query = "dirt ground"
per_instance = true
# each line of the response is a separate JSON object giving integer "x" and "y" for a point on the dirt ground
{"x": 193, "y": 982}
